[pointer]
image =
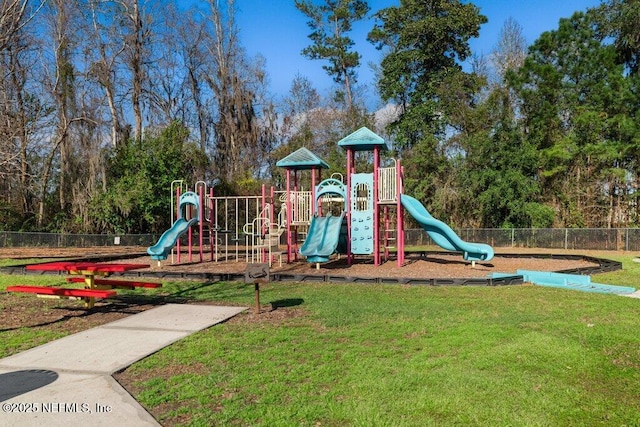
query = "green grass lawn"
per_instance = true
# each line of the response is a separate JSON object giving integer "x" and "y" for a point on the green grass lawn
{"x": 23, "y": 261}
{"x": 389, "y": 355}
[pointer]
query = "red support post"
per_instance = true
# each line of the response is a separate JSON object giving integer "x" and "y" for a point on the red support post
{"x": 399, "y": 217}
{"x": 289, "y": 216}
{"x": 211, "y": 222}
{"x": 190, "y": 235}
{"x": 295, "y": 208}
{"x": 272, "y": 214}
{"x": 201, "y": 221}
{"x": 313, "y": 191}
{"x": 264, "y": 232}
{"x": 178, "y": 214}
{"x": 348, "y": 203}
{"x": 376, "y": 207}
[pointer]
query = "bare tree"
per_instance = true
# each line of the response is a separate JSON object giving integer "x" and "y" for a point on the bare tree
{"x": 16, "y": 116}
{"x": 298, "y": 107}
{"x": 137, "y": 23}
{"x": 191, "y": 38}
{"x": 303, "y": 97}
{"x": 229, "y": 79}
{"x": 14, "y": 15}
{"x": 107, "y": 46}
{"x": 17, "y": 111}
{"x": 168, "y": 73}
{"x": 512, "y": 48}
{"x": 62, "y": 17}
{"x": 68, "y": 154}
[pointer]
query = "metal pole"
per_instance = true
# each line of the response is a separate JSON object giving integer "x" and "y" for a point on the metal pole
{"x": 256, "y": 287}
{"x": 626, "y": 239}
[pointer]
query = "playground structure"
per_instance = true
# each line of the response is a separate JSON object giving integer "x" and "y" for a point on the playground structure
{"x": 231, "y": 226}
{"x": 362, "y": 216}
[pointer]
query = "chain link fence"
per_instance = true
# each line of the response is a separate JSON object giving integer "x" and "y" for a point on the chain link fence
{"x": 608, "y": 239}
{"x": 613, "y": 239}
{"x": 10, "y": 239}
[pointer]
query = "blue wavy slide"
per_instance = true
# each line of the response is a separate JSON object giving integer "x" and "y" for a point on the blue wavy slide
{"x": 443, "y": 235}
{"x": 322, "y": 238}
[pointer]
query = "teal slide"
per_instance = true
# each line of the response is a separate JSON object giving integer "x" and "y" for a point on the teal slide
{"x": 443, "y": 235}
{"x": 160, "y": 251}
{"x": 323, "y": 238}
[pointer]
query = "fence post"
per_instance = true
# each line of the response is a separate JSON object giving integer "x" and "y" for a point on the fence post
{"x": 566, "y": 238}
{"x": 626, "y": 239}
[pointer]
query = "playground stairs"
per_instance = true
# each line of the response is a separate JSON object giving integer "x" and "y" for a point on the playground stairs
{"x": 265, "y": 236}
{"x": 68, "y": 382}
{"x": 271, "y": 245}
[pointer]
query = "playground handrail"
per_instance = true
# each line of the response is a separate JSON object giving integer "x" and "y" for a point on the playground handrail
{"x": 259, "y": 224}
{"x": 265, "y": 234}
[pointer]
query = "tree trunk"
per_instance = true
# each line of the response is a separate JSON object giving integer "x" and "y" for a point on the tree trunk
{"x": 136, "y": 69}
{"x": 25, "y": 177}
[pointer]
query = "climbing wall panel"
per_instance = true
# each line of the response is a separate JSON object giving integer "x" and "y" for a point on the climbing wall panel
{"x": 361, "y": 213}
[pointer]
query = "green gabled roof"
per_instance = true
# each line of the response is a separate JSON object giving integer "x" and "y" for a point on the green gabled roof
{"x": 302, "y": 159}
{"x": 363, "y": 140}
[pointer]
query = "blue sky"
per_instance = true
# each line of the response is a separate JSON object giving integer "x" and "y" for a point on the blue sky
{"x": 278, "y": 31}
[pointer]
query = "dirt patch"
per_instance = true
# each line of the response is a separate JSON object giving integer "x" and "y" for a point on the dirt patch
{"x": 63, "y": 316}
{"x": 44, "y": 252}
{"x": 424, "y": 265}
{"x": 59, "y": 316}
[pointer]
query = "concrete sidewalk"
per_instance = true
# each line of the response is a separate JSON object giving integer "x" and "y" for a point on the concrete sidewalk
{"x": 68, "y": 382}
{"x": 636, "y": 294}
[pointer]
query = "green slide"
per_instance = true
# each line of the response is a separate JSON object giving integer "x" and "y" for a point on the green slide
{"x": 442, "y": 235}
{"x": 323, "y": 238}
{"x": 167, "y": 241}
